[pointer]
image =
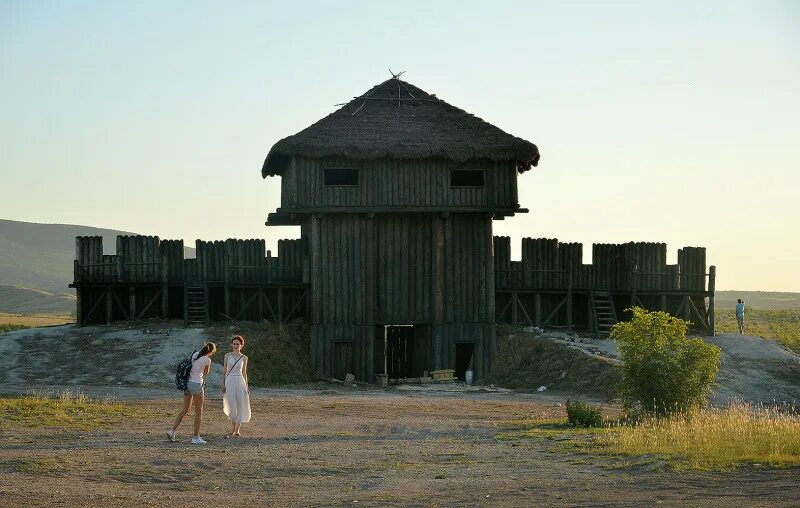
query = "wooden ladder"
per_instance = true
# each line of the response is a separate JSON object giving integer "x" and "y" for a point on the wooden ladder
{"x": 603, "y": 313}
{"x": 196, "y": 304}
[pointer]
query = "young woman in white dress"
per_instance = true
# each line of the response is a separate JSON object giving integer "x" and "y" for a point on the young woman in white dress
{"x": 235, "y": 390}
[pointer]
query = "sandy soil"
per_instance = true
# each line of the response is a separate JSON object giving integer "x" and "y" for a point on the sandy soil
{"x": 337, "y": 449}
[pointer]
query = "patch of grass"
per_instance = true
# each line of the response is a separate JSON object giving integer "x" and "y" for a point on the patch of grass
{"x": 526, "y": 361}
{"x": 66, "y": 411}
{"x": 547, "y": 428}
{"x": 705, "y": 439}
{"x": 711, "y": 439}
{"x": 49, "y": 465}
{"x": 781, "y": 325}
{"x": 34, "y": 320}
{"x": 8, "y": 327}
{"x": 278, "y": 353}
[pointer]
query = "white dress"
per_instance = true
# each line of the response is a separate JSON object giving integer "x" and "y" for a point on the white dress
{"x": 236, "y": 399}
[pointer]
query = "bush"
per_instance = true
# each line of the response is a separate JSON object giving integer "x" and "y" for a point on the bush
{"x": 581, "y": 414}
{"x": 663, "y": 372}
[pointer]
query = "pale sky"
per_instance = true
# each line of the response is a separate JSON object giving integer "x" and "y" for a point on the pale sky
{"x": 677, "y": 123}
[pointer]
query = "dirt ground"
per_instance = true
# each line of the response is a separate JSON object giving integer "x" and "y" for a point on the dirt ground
{"x": 328, "y": 445}
{"x": 351, "y": 449}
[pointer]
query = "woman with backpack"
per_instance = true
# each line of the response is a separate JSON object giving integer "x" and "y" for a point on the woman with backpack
{"x": 194, "y": 392}
{"x": 235, "y": 391}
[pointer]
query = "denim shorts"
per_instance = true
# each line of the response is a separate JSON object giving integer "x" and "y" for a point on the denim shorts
{"x": 193, "y": 388}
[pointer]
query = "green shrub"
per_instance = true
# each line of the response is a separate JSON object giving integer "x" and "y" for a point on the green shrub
{"x": 581, "y": 414}
{"x": 663, "y": 372}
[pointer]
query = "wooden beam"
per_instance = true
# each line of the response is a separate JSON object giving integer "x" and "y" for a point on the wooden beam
{"x": 712, "y": 275}
{"x": 150, "y": 304}
{"x": 121, "y": 306}
{"x": 246, "y": 305}
{"x": 698, "y": 313}
{"x": 296, "y": 305}
{"x": 94, "y": 307}
{"x": 552, "y": 314}
{"x": 524, "y": 312}
{"x": 109, "y": 308}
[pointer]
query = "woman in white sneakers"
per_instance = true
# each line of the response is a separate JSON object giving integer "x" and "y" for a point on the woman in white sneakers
{"x": 194, "y": 393}
{"x": 235, "y": 390}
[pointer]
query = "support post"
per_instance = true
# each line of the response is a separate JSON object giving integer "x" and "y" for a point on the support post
{"x": 164, "y": 288}
{"x": 712, "y": 274}
{"x": 185, "y": 304}
{"x": 227, "y": 281}
{"x": 280, "y": 305}
{"x": 132, "y": 302}
{"x": 514, "y": 308}
{"x": 205, "y": 297}
{"x": 79, "y": 306}
{"x": 663, "y": 303}
{"x": 537, "y": 309}
{"x": 569, "y": 299}
{"x": 109, "y": 307}
{"x": 634, "y": 284}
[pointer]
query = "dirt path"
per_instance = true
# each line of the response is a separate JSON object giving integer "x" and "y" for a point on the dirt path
{"x": 342, "y": 450}
{"x": 756, "y": 370}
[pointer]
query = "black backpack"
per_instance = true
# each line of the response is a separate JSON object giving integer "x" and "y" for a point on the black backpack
{"x": 182, "y": 372}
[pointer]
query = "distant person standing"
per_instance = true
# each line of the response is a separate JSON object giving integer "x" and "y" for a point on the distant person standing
{"x": 740, "y": 315}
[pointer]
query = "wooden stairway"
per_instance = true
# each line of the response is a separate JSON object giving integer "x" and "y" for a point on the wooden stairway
{"x": 603, "y": 313}
{"x": 196, "y": 304}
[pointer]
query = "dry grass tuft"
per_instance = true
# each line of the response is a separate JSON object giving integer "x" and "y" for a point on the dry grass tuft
{"x": 278, "y": 353}
{"x": 712, "y": 438}
{"x": 66, "y": 410}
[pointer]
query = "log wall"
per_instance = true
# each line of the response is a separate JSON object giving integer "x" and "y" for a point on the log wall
{"x": 396, "y": 183}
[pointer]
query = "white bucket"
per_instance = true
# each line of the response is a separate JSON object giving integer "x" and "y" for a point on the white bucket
{"x": 468, "y": 377}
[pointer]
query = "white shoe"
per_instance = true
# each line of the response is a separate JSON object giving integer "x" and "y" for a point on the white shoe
{"x": 171, "y": 435}
{"x": 198, "y": 440}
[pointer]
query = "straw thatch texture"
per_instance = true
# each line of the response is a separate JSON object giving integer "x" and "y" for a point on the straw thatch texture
{"x": 398, "y": 120}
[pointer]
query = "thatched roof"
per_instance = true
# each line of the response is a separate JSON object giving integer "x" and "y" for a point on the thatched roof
{"x": 398, "y": 120}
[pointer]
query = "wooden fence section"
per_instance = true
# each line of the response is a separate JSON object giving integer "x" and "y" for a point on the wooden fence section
{"x": 149, "y": 277}
{"x": 148, "y": 260}
{"x": 631, "y": 267}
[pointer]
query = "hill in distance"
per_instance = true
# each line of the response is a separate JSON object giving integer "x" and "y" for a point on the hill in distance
{"x": 765, "y": 300}
{"x": 17, "y": 300}
{"x": 41, "y": 256}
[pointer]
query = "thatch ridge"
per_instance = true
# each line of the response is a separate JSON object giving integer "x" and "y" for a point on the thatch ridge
{"x": 397, "y": 120}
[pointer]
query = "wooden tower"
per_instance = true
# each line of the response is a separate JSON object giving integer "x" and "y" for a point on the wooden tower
{"x": 395, "y": 193}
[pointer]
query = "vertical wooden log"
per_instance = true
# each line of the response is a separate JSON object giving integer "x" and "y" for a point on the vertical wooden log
{"x": 260, "y": 299}
{"x": 569, "y": 298}
{"x": 712, "y": 275}
{"x": 514, "y": 308}
{"x": 185, "y": 304}
{"x": 663, "y": 303}
{"x": 537, "y": 309}
{"x": 205, "y": 298}
{"x": 226, "y": 274}
{"x": 79, "y": 305}
{"x": 164, "y": 286}
{"x": 438, "y": 290}
{"x": 634, "y": 286}
{"x": 132, "y": 302}
{"x": 109, "y": 308}
{"x": 280, "y": 305}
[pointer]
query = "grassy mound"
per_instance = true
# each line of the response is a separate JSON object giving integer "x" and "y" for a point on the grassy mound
{"x": 526, "y": 361}
{"x": 278, "y": 353}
